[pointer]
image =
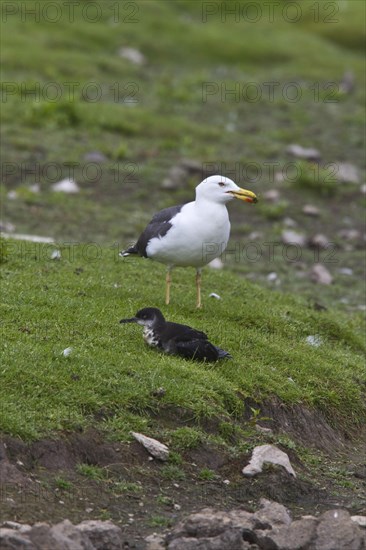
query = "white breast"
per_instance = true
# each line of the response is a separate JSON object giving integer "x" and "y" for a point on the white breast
{"x": 149, "y": 337}
{"x": 196, "y": 237}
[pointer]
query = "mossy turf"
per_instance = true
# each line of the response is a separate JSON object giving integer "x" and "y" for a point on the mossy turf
{"x": 110, "y": 378}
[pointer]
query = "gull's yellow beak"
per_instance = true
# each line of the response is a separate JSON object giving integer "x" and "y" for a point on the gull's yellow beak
{"x": 244, "y": 195}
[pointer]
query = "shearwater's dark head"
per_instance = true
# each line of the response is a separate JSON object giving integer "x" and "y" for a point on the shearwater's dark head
{"x": 147, "y": 317}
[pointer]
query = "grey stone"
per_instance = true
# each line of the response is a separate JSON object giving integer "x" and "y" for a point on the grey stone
{"x": 311, "y": 210}
{"x": 271, "y": 514}
{"x": 319, "y": 241}
{"x": 336, "y": 531}
{"x": 360, "y": 520}
{"x": 43, "y": 538}
{"x": 155, "y": 542}
{"x": 302, "y": 152}
{"x": 231, "y": 539}
{"x": 347, "y": 173}
{"x": 77, "y": 538}
{"x": 11, "y": 539}
{"x": 272, "y": 195}
{"x": 95, "y": 156}
{"x": 319, "y": 274}
{"x": 267, "y": 453}
{"x": 104, "y": 535}
{"x": 153, "y": 446}
{"x": 133, "y": 55}
{"x": 297, "y": 536}
{"x": 67, "y": 185}
{"x": 293, "y": 237}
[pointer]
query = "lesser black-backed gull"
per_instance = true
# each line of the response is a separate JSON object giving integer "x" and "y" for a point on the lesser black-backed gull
{"x": 191, "y": 234}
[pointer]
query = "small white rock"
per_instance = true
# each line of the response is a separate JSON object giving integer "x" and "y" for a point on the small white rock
{"x": 314, "y": 340}
{"x": 292, "y": 237}
{"x": 67, "y": 352}
{"x": 267, "y": 453}
{"x": 35, "y": 188}
{"x": 12, "y": 195}
{"x": 311, "y": 210}
{"x": 214, "y": 295}
{"x": 177, "y": 507}
{"x": 360, "y": 520}
{"x": 345, "y": 271}
{"x": 56, "y": 255}
{"x": 226, "y": 482}
{"x": 153, "y": 446}
{"x": 320, "y": 274}
{"x": 271, "y": 277}
{"x": 133, "y": 55}
{"x": 67, "y": 185}
{"x": 302, "y": 152}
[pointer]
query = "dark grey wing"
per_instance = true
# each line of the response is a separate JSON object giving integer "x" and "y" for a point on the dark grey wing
{"x": 158, "y": 227}
{"x": 197, "y": 349}
{"x": 188, "y": 343}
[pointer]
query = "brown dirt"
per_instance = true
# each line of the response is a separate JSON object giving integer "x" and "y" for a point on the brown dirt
{"x": 31, "y": 490}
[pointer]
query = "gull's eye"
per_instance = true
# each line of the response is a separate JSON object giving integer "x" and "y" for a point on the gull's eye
{"x": 221, "y": 184}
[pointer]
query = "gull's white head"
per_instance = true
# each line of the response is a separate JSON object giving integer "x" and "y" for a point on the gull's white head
{"x": 221, "y": 190}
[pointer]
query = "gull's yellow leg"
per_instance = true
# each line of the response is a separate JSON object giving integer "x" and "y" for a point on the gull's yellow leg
{"x": 168, "y": 280}
{"x": 198, "y": 287}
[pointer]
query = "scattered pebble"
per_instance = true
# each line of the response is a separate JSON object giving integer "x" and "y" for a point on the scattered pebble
{"x": 289, "y": 222}
{"x": 7, "y": 226}
{"x": 319, "y": 241}
{"x": 347, "y": 173}
{"x": 311, "y": 210}
{"x": 153, "y": 446}
{"x": 67, "y": 352}
{"x": 349, "y": 234}
{"x": 56, "y": 255}
{"x": 177, "y": 507}
{"x": 314, "y": 340}
{"x": 214, "y": 295}
{"x": 95, "y": 156}
{"x": 35, "y": 188}
{"x": 302, "y": 152}
{"x": 133, "y": 55}
{"x": 226, "y": 482}
{"x": 273, "y": 195}
{"x": 345, "y": 271}
{"x": 271, "y": 277}
{"x": 67, "y": 185}
{"x": 320, "y": 274}
{"x": 292, "y": 237}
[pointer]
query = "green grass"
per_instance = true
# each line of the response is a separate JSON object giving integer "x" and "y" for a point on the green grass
{"x": 50, "y": 305}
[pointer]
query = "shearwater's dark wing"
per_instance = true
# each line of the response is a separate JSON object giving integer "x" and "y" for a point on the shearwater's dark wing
{"x": 188, "y": 343}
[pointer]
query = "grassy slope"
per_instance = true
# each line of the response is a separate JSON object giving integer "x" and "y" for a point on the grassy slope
{"x": 48, "y": 307}
{"x": 51, "y": 305}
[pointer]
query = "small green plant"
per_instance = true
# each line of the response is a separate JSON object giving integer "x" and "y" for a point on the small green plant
{"x": 163, "y": 499}
{"x": 63, "y": 484}
{"x": 172, "y": 472}
{"x": 126, "y": 487}
{"x": 207, "y": 475}
{"x": 159, "y": 521}
{"x": 92, "y": 472}
{"x": 175, "y": 458}
{"x": 186, "y": 438}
